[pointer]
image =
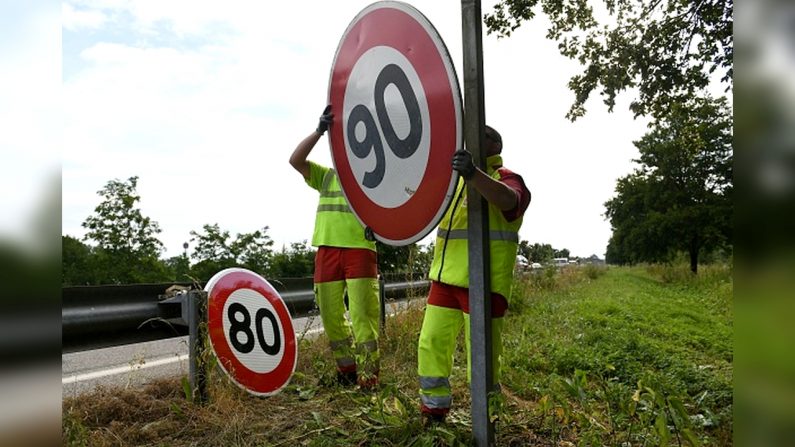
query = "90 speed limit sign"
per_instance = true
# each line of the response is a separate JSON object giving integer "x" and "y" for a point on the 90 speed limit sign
{"x": 397, "y": 121}
{"x": 251, "y": 331}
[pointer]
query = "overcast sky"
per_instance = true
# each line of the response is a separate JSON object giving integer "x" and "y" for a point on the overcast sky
{"x": 205, "y": 101}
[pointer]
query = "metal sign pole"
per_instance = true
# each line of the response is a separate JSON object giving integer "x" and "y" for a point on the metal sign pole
{"x": 478, "y": 224}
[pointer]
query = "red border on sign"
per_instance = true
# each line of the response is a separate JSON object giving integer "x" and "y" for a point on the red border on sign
{"x": 219, "y": 292}
{"x": 397, "y": 29}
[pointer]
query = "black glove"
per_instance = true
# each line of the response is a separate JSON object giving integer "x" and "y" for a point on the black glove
{"x": 462, "y": 162}
{"x": 368, "y": 234}
{"x": 325, "y": 119}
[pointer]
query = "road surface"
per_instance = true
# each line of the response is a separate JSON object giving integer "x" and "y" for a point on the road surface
{"x": 136, "y": 364}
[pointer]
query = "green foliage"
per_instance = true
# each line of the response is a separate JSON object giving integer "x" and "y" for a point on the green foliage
{"x": 215, "y": 250}
{"x": 118, "y": 226}
{"x": 666, "y": 49}
{"x": 404, "y": 259}
{"x": 127, "y": 248}
{"x": 627, "y": 358}
{"x": 75, "y": 261}
{"x": 541, "y": 253}
{"x": 680, "y": 198}
{"x": 624, "y": 359}
{"x": 294, "y": 263}
{"x": 179, "y": 268}
{"x": 73, "y": 432}
{"x": 593, "y": 271}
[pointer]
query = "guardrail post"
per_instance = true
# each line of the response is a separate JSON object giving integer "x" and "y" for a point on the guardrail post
{"x": 196, "y": 304}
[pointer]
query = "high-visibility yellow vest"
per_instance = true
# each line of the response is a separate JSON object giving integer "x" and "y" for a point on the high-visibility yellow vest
{"x": 451, "y": 263}
{"x": 335, "y": 223}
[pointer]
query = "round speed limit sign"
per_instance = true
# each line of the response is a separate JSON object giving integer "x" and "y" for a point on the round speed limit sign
{"x": 251, "y": 331}
{"x": 397, "y": 121}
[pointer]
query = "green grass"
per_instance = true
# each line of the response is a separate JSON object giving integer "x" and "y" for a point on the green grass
{"x": 627, "y": 332}
{"x": 593, "y": 356}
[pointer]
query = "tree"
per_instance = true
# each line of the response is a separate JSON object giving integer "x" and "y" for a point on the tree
{"x": 253, "y": 250}
{"x": 76, "y": 260}
{"x": 298, "y": 261}
{"x": 179, "y": 268}
{"x": 541, "y": 253}
{"x": 215, "y": 251}
{"x": 564, "y": 253}
{"x": 681, "y": 196}
{"x": 127, "y": 248}
{"x": 667, "y": 49}
{"x": 404, "y": 259}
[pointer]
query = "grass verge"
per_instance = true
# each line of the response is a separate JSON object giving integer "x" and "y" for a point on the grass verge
{"x": 593, "y": 356}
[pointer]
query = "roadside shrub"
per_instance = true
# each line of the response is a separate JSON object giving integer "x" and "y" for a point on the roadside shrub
{"x": 593, "y": 271}
{"x": 679, "y": 273}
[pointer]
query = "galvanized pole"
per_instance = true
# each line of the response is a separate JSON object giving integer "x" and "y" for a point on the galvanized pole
{"x": 197, "y": 319}
{"x": 478, "y": 224}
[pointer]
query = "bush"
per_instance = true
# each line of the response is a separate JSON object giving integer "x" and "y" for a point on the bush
{"x": 593, "y": 271}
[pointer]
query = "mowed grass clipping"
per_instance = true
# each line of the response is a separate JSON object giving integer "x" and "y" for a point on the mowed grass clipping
{"x": 593, "y": 356}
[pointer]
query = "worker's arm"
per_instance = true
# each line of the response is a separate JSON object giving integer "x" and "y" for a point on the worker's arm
{"x": 494, "y": 191}
{"x": 301, "y": 152}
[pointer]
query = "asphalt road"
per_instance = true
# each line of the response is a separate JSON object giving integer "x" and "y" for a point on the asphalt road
{"x": 134, "y": 365}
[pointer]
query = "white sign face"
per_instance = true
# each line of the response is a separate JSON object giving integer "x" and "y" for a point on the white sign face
{"x": 388, "y": 152}
{"x": 252, "y": 328}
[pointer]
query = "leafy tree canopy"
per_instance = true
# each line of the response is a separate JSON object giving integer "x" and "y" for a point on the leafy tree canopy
{"x": 412, "y": 258}
{"x": 127, "y": 247}
{"x": 667, "y": 49}
{"x": 215, "y": 250}
{"x": 118, "y": 226}
{"x": 541, "y": 253}
{"x": 298, "y": 261}
{"x": 680, "y": 198}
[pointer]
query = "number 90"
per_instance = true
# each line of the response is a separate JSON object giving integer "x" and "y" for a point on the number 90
{"x": 403, "y": 148}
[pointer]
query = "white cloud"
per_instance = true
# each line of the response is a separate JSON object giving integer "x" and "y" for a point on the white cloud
{"x": 73, "y": 20}
{"x": 205, "y": 101}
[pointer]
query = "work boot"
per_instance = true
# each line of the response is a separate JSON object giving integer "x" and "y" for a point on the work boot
{"x": 347, "y": 378}
{"x": 431, "y": 419}
{"x": 368, "y": 384}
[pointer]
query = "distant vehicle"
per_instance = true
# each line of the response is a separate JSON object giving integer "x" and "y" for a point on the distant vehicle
{"x": 535, "y": 266}
{"x": 522, "y": 264}
{"x": 560, "y": 262}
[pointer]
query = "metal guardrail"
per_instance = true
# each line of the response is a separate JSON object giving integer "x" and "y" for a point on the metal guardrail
{"x": 94, "y": 317}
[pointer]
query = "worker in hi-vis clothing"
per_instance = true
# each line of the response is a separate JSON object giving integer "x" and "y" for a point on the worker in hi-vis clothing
{"x": 448, "y": 299}
{"x": 345, "y": 259}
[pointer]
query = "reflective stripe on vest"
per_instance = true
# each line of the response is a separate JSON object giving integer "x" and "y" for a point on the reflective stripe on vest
{"x": 338, "y": 208}
{"x": 335, "y": 223}
{"x": 494, "y": 235}
{"x": 324, "y": 193}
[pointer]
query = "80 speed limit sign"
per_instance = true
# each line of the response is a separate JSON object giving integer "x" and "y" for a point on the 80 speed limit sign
{"x": 251, "y": 331}
{"x": 398, "y": 120}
